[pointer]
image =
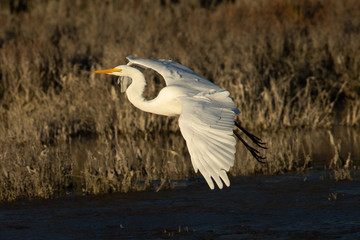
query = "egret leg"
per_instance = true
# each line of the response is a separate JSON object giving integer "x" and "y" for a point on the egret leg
{"x": 255, "y": 153}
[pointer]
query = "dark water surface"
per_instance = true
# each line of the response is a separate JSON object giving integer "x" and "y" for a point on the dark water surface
{"x": 291, "y": 206}
{"x": 306, "y": 205}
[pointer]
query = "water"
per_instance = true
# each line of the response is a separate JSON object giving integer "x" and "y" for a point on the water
{"x": 302, "y": 206}
{"x": 308, "y": 204}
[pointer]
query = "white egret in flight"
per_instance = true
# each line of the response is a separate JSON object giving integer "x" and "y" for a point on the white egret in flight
{"x": 206, "y": 112}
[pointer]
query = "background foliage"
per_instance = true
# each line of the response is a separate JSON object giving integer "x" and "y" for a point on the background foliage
{"x": 287, "y": 64}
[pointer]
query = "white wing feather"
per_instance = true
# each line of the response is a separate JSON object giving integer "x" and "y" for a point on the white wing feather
{"x": 206, "y": 120}
{"x": 207, "y": 123}
{"x": 173, "y": 72}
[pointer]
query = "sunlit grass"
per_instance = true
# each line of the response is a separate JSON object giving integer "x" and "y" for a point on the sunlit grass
{"x": 287, "y": 64}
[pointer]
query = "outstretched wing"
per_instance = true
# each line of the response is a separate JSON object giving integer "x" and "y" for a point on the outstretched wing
{"x": 206, "y": 120}
{"x": 207, "y": 123}
{"x": 172, "y": 72}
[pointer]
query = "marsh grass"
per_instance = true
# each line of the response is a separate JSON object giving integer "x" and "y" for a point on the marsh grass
{"x": 341, "y": 167}
{"x": 287, "y": 64}
{"x": 99, "y": 165}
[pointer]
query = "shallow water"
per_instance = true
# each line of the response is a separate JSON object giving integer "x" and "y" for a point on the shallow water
{"x": 308, "y": 204}
{"x": 302, "y": 206}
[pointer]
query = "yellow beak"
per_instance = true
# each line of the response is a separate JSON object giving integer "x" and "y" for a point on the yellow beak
{"x": 109, "y": 71}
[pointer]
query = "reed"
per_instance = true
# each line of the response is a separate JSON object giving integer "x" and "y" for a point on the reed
{"x": 341, "y": 167}
{"x": 287, "y": 64}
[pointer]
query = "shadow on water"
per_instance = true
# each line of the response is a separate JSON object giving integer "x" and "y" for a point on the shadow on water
{"x": 305, "y": 201}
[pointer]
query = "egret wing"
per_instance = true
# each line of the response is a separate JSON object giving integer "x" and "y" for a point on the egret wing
{"x": 207, "y": 122}
{"x": 172, "y": 72}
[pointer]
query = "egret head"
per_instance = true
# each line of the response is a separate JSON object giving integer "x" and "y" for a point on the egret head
{"x": 124, "y": 72}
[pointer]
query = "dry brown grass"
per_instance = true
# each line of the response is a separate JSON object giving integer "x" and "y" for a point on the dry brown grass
{"x": 341, "y": 167}
{"x": 286, "y": 63}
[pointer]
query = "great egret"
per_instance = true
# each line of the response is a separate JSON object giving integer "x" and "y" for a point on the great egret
{"x": 206, "y": 112}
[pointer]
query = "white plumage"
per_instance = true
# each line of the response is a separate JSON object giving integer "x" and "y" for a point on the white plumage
{"x": 206, "y": 113}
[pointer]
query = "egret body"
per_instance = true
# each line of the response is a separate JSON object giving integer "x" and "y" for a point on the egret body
{"x": 207, "y": 113}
